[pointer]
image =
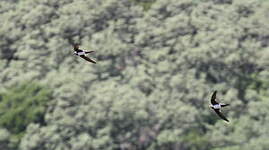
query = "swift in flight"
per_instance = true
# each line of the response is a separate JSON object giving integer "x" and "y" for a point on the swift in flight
{"x": 217, "y": 106}
{"x": 82, "y": 53}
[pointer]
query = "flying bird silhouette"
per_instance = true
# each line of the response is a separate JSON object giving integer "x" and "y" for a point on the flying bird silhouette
{"x": 82, "y": 53}
{"x": 217, "y": 106}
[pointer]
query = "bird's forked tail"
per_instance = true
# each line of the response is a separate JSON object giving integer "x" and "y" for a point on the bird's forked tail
{"x": 88, "y": 52}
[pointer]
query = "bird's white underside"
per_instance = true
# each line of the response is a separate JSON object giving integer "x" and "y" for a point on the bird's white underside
{"x": 216, "y": 106}
{"x": 80, "y": 53}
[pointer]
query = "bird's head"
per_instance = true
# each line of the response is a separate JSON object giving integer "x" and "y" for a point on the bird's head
{"x": 76, "y": 46}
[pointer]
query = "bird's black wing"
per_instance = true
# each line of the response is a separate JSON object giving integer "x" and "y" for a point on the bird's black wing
{"x": 88, "y": 59}
{"x": 213, "y": 98}
{"x": 76, "y": 48}
{"x": 221, "y": 115}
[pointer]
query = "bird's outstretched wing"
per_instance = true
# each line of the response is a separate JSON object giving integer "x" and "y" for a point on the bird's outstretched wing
{"x": 221, "y": 115}
{"x": 213, "y": 98}
{"x": 88, "y": 59}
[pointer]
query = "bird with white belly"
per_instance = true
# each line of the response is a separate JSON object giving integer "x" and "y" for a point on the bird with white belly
{"x": 82, "y": 53}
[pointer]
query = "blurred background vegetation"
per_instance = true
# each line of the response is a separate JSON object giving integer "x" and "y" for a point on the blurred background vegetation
{"x": 158, "y": 62}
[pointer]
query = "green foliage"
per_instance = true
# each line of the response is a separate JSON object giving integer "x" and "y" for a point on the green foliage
{"x": 21, "y": 105}
{"x": 158, "y": 62}
{"x": 146, "y": 4}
